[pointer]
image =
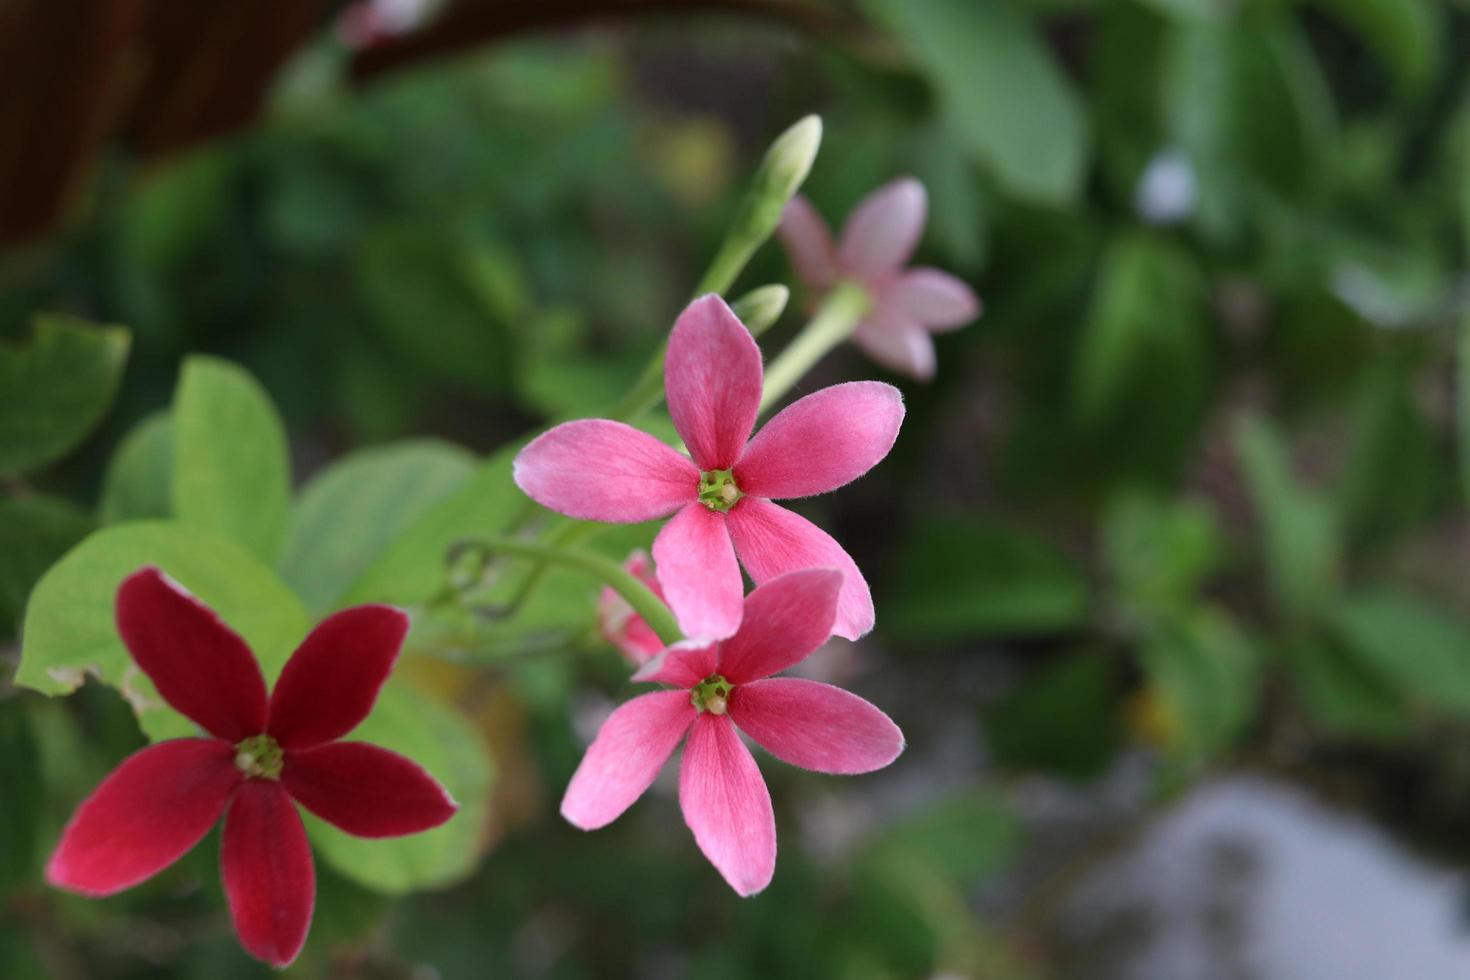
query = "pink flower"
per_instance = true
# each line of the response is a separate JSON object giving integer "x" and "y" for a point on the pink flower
{"x": 600, "y": 470}
{"x": 721, "y": 686}
{"x": 620, "y": 625}
{"x": 880, "y": 236}
{"x": 261, "y": 754}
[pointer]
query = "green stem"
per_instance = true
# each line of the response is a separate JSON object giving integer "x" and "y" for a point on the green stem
{"x": 647, "y": 605}
{"x": 834, "y": 322}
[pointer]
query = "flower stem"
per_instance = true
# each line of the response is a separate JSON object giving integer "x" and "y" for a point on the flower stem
{"x": 834, "y": 322}
{"x": 647, "y": 605}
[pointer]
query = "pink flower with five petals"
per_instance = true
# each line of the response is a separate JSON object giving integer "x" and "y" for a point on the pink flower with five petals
{"x": 719, "y": 687}
{"x": 601, "y": 470}
{"x": 261, "y": 756}
{"x": 879, "y": 237}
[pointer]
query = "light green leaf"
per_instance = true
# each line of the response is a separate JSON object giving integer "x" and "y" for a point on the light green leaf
{"x": 1205, "y": 670}
{"x": 1000, "y": 90}
{"x": 1159, "y": 552}
{"x": 1413, "y": 647}
{"x": 961, "y": 578}
{"x": 34, "y": 533}
{"x": 1148, "y": 305}
{"x": 1300, "y": 531}
{"x": 964, "y": 837}
{"x": 354, "y": 509}
{"x": 139, "y": 481}
{"x": 232, "y": 473}
{"x": 70, "y": 633}
{"x": 411, "y": 569}
{"x": 438, "y": 738}
{"x": 54, "y": 389}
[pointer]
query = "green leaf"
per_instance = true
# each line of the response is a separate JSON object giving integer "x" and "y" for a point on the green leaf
{"x": 25, "y": 794}
{"x": 139, "y": 481}
{"x": 1148, "y": 309}
{"x": 1000, "y": 90}
{"x": 442, "y": 741}
{"x": 54, "y": 390}
{"x": 1393, "y": 471}
{"x": 232, "y": 473}
{"x": 1063, "y": 719}
{"x": 1159, "y": 552}
{"x": 1300, "y": 529}
{"x": 69, "y": 629}
{"x": 1404, "y": 34}
{"x": 1414, "y": 648}
{"x": 964, "y": 837}
{"x": 34, "y": 533}
{"x": 411, "y": 569}
{"x": 354, "y": 509}
{"x": 1339, "y": 693}
{"x": 1205, "y": 670}
{"x": 959, "y": 578}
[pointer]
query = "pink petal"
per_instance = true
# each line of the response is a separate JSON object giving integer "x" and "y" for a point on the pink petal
{"x": 698, "y": 572}
{"x": 726, "y": 804}
{"x": 620, "y": 625}
{"x": 200, "y": 666}
{"x": 808, "y": 243}
{"x": 883, "y": 230}
{"x": 598, "y": 470}
{"x": 771, "y": 540}
{"x": 624, "y": 759}
{"x": 266, "y": 867}
{"x": 785, "y": 620}
{"x": 827, "y": 439}
{"x": 332, "y": 680}
{"x": 935, "y": 299}
{"x": 683, "y": 665}
{"x": 153, "y": 807}
{"x": 815, "y": 726}
{"x": 366, "y": 790}
{"x": 712, "y": 379}
{"x": 898, "y": 342}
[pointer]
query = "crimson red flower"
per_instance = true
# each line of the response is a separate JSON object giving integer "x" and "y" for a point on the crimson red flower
{"x": 261, "y": 753}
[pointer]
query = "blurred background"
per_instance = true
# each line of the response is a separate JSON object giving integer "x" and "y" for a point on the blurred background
{"x": 1169, "y": 561}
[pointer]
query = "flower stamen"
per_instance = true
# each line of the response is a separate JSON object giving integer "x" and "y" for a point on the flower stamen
{"x": 260, "y": 756}
{"x": 717, "y": 490}
{"x": 711, "y": 694}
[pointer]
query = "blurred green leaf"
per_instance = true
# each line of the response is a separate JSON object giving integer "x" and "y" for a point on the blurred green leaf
{"x": 980, "y": 54}
{"x": 1393, "y": 469}
{"x": 424, "y": 296}
{"x": 411, "y": 569}
{"x": 139, "y": 480}
{"x": 54, "y": 389}
{"x": 24, "y": 796}
{"x": 1063, "y": 719}
{"x": 964, "y": 837}
{"x": 959, "y": 577}
{"x": 70, "y": 632}
{"x": 1159, "y": 552}
{"x": 1416, "y": 649}
{"x": 34, "y": 533}
{"x": 1339, "y": 693}
{"x": 1405, "y": 35}
{"x": 1206, "y": 670}
{"x": 438, "y": 738}
{"x": 1148, "y": 306}
{"x": 1299, "y": 529}
{"x": 355, "y": 508}
{"x": 232, "y": 473}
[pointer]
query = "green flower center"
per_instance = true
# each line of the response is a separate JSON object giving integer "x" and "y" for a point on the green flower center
{"x": 717, "y": 490}
{"x": 259, "y": 756}
{"x": 711, "y": 694}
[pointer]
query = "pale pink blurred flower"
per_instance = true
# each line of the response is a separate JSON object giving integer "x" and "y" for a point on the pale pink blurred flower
{"x": 721, "y": 499}
{"x": 719, "y": 687}
{"x": 620, "y": 625}
{"x": 879, "y": 238}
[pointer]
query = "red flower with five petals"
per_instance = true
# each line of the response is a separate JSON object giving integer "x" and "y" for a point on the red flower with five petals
{"x": 260, "y": 754}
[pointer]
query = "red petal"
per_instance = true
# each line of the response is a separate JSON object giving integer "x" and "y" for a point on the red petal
{"x": 145, "y": 815}
{"x": 330, "y": 683}
{"x": 712, "y": 381}
{"x": 816, "y": 726}
{"x": 266, "y": 866}
{"x": 366, "y": 790}
{"x": 200, "y": 666}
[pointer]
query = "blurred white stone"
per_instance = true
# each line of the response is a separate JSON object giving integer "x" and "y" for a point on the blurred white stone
{"x": 1167, "y": 189}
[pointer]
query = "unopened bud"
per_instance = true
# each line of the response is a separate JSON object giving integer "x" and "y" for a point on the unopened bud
{"x": 790, "y": 157}
{"x": 760, "y": 308}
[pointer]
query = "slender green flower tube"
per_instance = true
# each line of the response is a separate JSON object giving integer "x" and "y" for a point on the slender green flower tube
{"x": 639, "y": 596}
{"x": 834, "y": 322}
{"x": 760, "y": 308}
